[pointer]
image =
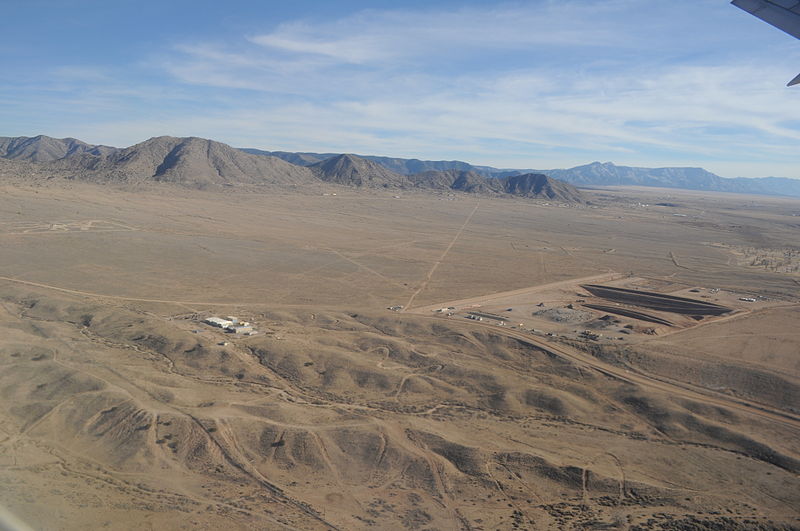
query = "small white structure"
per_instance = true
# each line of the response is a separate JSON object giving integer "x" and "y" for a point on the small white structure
{"x": 219, "y": 323}
{"x": 231, "y": 324}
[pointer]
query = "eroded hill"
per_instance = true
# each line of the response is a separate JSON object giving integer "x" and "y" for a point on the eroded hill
{"x": 351, "y": 422}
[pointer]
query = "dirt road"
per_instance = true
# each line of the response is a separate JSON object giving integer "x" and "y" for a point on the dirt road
{"x": 483, "y": 299}
{"x": 662, "y": 384}
{"x": 441, "y": 258}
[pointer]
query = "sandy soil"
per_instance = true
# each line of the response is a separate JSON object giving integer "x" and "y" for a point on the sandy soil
{"x": 119, "y": 408}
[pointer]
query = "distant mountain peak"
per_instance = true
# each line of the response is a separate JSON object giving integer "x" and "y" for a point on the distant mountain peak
{"x": 42, "y": 148}
{"x": 352, "y": 170}
{"x": 541, "y": 186}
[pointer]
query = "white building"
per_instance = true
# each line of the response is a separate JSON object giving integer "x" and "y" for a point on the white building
{"x": 219, "y": 323}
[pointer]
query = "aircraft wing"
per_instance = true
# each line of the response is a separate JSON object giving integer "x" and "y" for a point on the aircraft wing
{"x": 783, "y": 14}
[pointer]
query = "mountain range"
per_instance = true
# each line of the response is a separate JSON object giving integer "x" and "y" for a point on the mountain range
{"x": 45, "y": 149}
{"x": 594, "y": 174}
{"x": 202, "y": 163}
{"x": 192, "y": 161}
{"x": 397, "y": 165}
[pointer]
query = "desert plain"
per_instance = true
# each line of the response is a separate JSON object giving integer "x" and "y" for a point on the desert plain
{"x": 491, "y": 397}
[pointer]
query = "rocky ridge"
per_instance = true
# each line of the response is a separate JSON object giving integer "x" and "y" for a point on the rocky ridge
{"x": 202, "y": 163}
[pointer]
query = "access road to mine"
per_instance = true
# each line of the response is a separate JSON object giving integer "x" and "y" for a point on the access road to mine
{"x": 638, "y": 378}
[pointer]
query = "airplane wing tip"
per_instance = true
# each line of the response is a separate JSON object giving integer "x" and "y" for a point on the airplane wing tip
{"x": 777, "y": 13}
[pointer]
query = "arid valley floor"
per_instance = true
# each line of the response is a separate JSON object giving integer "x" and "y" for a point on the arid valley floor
{"x": 120, "y": 409}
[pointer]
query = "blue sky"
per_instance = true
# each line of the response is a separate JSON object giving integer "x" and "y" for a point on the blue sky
{"x": 536, "y": 84}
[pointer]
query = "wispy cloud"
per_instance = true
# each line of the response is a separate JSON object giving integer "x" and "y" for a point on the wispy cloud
{"x": 581, "y": 77}
{"x": 534, "y": 84}
{"x": 376, "y": 36}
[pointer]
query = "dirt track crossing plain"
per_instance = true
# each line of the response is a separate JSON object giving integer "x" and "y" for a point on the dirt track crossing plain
{"x": 554, "y": 366}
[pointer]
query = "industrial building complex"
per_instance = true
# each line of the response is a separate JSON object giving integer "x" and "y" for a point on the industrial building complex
{"x": 231, "y": 325}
